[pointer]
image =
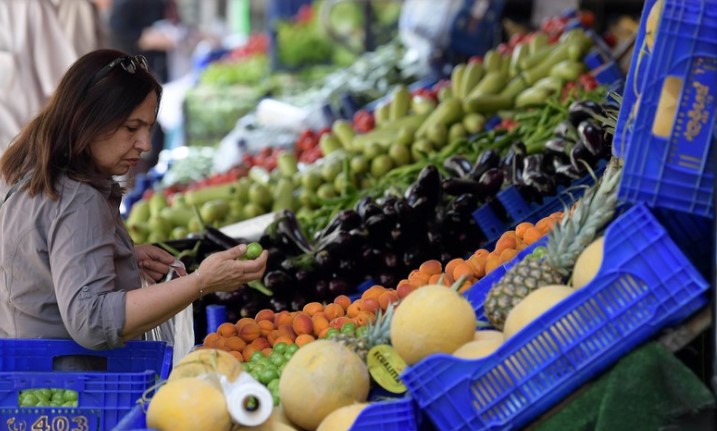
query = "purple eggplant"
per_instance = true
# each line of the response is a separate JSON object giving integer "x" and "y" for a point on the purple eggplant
{"x": 460, "y": 186}
{"x": 567, "y": 170}
{"x": 465, "y": 203}
{"x": 321, "y": 289}
{"x": 581, "y": 110}
{"x": 289, "y": 232}
{"x": 366, "y": 208}
{"x": 592, "y": 137}
{"x": 580, "y": 156}
{"x": 390, "y": 259}
{"x": 278, "y": 281}
{"x": 422, "y": 207}
{"x": 491, "y": 181}
{"x": 346, "y": 219}
{"x": 486, "y": 160}
{"x": 428, "y": 185}
{"x": 566, "y": 130}
{"x": 512, "y": 163}
{"x": 378, "y": 226}
{"x": 558, "y": 146}
{"x": 387, "y": 279}
{"x": 457, "y": 166}
{"x": 324, "y": 260}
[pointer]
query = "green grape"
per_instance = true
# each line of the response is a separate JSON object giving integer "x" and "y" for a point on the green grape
{"x": 276, "y": 399}
{"x": 292, "y": 348}
{"x": 256, "y": 357}
{"x": 280, "y": 347}
{"x": 332, "y": 333}
{"x": 361, "y": 331}
{"x": 287, "y": 356}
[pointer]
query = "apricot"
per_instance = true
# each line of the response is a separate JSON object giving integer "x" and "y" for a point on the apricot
{"x": 339, "y": 322}
{"x": 266, "y": 326}
{"x": 521, "y": 228}
{"x": 403, "y": 290}
{"x": 243, "y": 321}
{"x": 284, "y": 339}
{"x": 355, "y": 308}
{"x": 250, "y": 332}
{"x": 320, "y": 323}
{"x": 265, "y": 314}
{"x": 282, "y": 318}
{"x": 303, "y": 339}
{"x": 532, "y": 234}
{"x": 371, "y": 305}
{"x": 302, "y": 324}
{"x": 387, "y": 298}
{"x": 238, "y": 355}
{"x": 373, "y": 292}
{"x": 507, "y": 255}
{"x": 364, "y": 318}
{"x": 431, "y": 267}
{"x": 226, "y": 329}
{"x": 261, "y": 343}
{"x": 287, "y": 331}
{"x": 211, "y": 339}
{"x": 235, "y": 343}
{"x": 313, "y": 307}
{"x": 451, "y": 265}
{"x": 273, "y": 335}
{"x": 417, "y": 278}
{"x": 343, "y": 300}
{"x": 492, "y": 262}
{"x": 333, "y": 311}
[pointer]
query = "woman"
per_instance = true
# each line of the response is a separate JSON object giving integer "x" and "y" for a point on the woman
{"x": 68, "y": 268}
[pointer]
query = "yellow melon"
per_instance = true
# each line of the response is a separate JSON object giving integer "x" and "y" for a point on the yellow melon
{"x": 205, "y": 361}
{"x": 276, "y": 422}
{"x": 321, "y": 377}
{"x": 188, "y": 404}
{"x": 477, "y": 349}
{"x": 342, "y": 418}
{"x": 588, "y": 263}
{"x": 488, "y": 334}
{"x": 533, "y": 306}
{"x": 432, "y": 319}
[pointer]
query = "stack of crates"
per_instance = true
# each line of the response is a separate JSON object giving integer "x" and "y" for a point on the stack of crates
{"x": 104, "y": 397}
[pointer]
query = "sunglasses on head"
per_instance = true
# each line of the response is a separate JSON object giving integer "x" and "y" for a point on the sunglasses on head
{"x": 129, "y": 63}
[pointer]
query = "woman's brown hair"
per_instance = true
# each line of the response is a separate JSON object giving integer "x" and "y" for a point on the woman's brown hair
{"x": 86, "y": 105}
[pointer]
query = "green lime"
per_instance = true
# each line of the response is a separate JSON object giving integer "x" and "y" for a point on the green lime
{"x": 69, "y": 404}
{"x": 280, "y": 347}
{"x": 253, "y": 250}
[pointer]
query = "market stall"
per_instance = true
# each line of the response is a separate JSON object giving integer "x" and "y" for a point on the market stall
{"x": 502, "y": 241}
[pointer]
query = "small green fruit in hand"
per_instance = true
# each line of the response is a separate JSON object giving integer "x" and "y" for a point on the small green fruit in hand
{"x": 253, "y": 250}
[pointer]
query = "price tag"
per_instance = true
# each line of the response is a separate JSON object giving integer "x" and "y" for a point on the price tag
{"x": 50, "y": 419}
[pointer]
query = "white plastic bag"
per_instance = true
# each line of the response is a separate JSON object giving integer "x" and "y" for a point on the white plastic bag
{"x": 178, "y": 331}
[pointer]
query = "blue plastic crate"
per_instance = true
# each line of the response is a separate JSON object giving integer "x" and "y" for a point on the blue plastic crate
{"x": 104, "y": 397}
{"x": 644, "y": 284}
{"x": 489, "y": 223}
{"x": 395, "y": 415}
{"x": 633, "y": 86}
{"x": 677, "y": 171}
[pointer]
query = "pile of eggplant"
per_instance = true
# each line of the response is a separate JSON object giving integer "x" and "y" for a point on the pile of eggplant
{"x": 378, "y": 240}
{"x": 578, "y": 143}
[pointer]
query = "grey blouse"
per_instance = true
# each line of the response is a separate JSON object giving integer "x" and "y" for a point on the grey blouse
{"x": 65, "y": 265}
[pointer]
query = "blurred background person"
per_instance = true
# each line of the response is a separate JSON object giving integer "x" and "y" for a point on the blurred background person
{"x": 145, "y": 27}
{"x": 39, "y": 39}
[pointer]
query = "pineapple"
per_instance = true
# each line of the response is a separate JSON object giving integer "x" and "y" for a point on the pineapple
{"x": 565, "y": 243}
{"x": 377, "y": 332}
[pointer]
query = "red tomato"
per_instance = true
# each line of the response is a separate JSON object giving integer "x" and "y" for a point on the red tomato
{"x": 587, "y": 18}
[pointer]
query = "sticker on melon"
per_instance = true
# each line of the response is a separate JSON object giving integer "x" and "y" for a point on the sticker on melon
{"x": 386, "y": 366}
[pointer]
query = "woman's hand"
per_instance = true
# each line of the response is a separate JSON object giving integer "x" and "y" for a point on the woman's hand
{"x": 225, "y": 272}
{"x": 154, "y": 262}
